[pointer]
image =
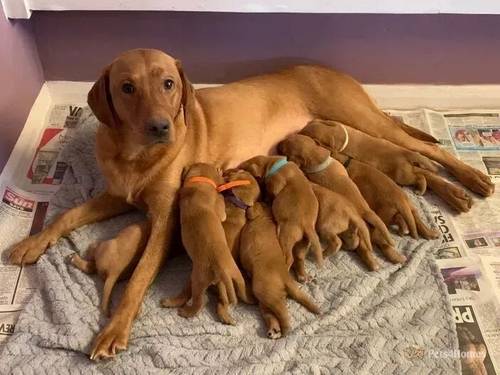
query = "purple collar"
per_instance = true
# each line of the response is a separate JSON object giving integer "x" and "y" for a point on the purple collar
{"x": 231, "y": 197}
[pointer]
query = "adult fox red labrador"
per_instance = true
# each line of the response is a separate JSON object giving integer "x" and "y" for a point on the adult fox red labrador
{"x": 154, "y": 123}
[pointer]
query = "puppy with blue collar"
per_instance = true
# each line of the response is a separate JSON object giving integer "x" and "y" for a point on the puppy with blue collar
{"x": 294, "y": 205}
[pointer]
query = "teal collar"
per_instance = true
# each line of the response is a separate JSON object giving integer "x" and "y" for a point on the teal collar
{"x": 276, "y": 167}
{"x": 320, "y": 167}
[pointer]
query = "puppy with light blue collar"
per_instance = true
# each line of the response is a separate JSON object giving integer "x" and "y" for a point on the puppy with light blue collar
{"x": 294, "y": 206}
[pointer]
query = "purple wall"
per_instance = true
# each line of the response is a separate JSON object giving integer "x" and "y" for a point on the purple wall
{"x": 218, "y": 47}
{"x": 21, "y": 77}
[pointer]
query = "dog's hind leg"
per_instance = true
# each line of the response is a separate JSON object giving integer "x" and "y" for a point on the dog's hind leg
{"x": 293, "y": 290}
{"x": 272, "y": 324}
{"x": 288, "y": 236}
{"x": 313, "y": 238}
{"x": 299, "y": 255}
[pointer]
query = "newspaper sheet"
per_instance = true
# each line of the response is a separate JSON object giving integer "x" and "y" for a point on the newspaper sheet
{"x": 469, "y": 254}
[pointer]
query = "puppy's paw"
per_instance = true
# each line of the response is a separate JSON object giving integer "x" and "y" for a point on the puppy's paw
{"x": 274, "y": 333}
{"x": 477, "y": 181}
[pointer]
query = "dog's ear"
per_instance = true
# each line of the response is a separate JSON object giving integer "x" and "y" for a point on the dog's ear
{"x": 100, "y": 101}
{"x": 188, "y": 99}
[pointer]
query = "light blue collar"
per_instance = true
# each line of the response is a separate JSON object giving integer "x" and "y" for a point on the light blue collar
{"x": 276, "y": 167}
{"x": 320, "y": 167}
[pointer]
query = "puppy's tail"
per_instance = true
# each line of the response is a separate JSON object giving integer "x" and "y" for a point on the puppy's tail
{"x": 313, "y": 239}
{"x": 376, "y": 222}
{"x": 293, "y": 290}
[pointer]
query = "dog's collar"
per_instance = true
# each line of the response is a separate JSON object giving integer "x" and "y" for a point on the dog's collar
{"x": 231, "y": 197}
{"x": 320, "y": 167}
{"x": 346, "y": 138}
{"x": 202, "y": 180}
{"x": 276, "y": 167}
{"x": 231, "y": 184}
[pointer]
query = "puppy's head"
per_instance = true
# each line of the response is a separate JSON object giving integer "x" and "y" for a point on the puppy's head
{"x": 247, "y": 193}
{"x": 259, "y": 209}
{"x": 302, "y": 150}
{"x": 320, "y": 132}
{"x": 203, "y": 170}
{"x": 258, "y": 166}
{"x": 145, "y": 96}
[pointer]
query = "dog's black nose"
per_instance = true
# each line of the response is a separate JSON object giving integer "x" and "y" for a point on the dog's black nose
{"x": 158, "y": 128}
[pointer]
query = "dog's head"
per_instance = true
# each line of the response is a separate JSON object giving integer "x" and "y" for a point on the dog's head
{"x": 320, "y": 132}
{"x": 247, "y": 193}
{"x": 302, "y": 150}
{"x": 145, "y": 95}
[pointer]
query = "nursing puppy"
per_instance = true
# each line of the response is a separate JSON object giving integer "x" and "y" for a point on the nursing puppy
{"x": 238, "y": 198}
{"x": 388, "y": 200}
{"x": 320, "y": 168}
{"x": 338, "y": 215}
{"x": 202, "y": 212}
{"x": 115, "y": 259}
{"x": 262, "y": 258}
{"x": 396, "y": 162}
{"x": 294, "y": 207}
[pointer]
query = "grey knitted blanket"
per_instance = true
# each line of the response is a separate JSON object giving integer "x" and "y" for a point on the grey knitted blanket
{"x": 390, "y": 321}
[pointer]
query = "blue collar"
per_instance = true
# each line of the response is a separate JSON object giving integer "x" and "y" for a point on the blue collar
{"x": 320, "y": 167}
{"x": 276, "y": 167}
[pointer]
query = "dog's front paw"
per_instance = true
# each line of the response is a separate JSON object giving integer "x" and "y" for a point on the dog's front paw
{"x": 112, "y": 339}
{"x": 29, "y": 250}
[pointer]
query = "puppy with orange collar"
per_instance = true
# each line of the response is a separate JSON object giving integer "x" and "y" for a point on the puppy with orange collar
{"x": 202, "y": 212}
{"x": 294, "y": 207}
{"x": 322, "y": 169}
{"x": 262, "y": 258}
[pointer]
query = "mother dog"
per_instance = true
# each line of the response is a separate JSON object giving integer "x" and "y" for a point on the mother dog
{"x": 154, "y": 124}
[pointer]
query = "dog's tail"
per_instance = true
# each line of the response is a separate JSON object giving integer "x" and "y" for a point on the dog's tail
{"x": 294, "y": 291}
{"x": 313, "y": 239}
{"x": 414, "y": 132}
{"x": 372, "y": 218}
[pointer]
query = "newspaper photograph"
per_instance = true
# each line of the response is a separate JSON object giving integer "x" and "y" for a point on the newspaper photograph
{"x": 476, "y": 310}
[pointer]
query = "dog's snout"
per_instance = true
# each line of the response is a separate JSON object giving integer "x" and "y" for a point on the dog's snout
{"x": 158, "y": 128}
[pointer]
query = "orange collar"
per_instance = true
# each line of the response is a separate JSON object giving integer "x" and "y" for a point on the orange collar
{"x": 232, "y": 184}
{"x": 203, "y": 180}
{"x": 220, "y": 188}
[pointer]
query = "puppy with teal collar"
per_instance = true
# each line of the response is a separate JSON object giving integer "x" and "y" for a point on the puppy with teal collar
{"x": 294, "y": 205}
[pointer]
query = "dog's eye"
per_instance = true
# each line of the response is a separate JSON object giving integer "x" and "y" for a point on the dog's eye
{"x": 168, "y": 84}
{"x": 128, "y": 88}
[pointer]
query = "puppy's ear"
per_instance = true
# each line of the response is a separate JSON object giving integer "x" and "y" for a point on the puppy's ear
{"x": 188, "y": 98}
{"x": 100, "y": 101}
